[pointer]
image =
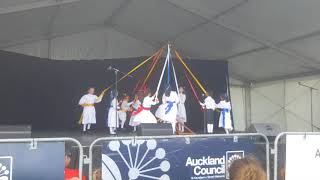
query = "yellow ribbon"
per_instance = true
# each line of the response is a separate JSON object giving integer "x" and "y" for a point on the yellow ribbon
{"x": 190, "y": 72}
{"x": 130, "y": 72}
{"x": 152, "y": 68}
{"x": 126, "y": 75}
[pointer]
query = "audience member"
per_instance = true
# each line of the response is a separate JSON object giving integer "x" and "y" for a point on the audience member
{"x": 248, "y": 168}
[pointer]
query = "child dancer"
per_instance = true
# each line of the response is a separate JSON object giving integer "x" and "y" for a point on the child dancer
{"x": 143, "y": 114}
{"x": 209, "y": 106}
{"x": 182, "y": 115}
{"x": 225, "y": 117}
{"x": 135, "y": 106}
{"x": 168, "y": 110}
{"x": 113, "y": 117}
{"x": 124, "y": 108}
{"x": 89, "y": 112}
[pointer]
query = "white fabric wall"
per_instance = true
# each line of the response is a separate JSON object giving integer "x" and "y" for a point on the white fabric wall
{"x": 286, "y": 103}
{"x": 237, "y": 94}
{"x": 103, "y": 43}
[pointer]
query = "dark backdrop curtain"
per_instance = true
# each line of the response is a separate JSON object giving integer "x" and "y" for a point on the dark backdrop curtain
{"x": 45, "y": 93}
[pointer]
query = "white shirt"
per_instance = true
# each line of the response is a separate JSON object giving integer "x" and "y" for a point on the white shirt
{"x": 148, "y": 102}
{"x": 209, "y": 103}
{"x": 89, "y": 99}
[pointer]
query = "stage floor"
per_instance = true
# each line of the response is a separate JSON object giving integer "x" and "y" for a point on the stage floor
{"x": 85, "y": 138}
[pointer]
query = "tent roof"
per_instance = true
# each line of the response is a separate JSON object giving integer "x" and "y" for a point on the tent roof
{"x": 262, "y": 39}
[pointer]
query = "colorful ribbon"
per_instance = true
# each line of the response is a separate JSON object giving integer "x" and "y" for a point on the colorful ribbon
{"x": 130, "y": 72}
{"x": 190, "y": 72}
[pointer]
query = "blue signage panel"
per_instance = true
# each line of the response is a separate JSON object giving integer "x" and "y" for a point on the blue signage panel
{"x": 176, "y": 158}
{"x": 19, "y": 162}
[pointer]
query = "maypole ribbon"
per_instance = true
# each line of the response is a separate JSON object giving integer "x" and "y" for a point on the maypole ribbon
{"x": 130, "y": 72}
{"x": 140, "y": 85}
{"x": 192, "y": 88}
{"x": 175, "y": 77}
{"x": 190, "y": 72}
{"x": 163, "y": 69}
{"x": 168, "y": 78}
{"x": 153, "y": 67}
{"x": 134, "y": 69}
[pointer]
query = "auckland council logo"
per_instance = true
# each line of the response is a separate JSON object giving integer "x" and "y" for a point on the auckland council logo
{"x": 5, "y": 168}
{"x": 135, "y": 161}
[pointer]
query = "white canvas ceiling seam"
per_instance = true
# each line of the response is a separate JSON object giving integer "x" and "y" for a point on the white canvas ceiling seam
{"x": 110, "y": 21}
{"x": 205, "y": 22}
{"x": 254, "y": 38}
{"x": 34, "y": 5}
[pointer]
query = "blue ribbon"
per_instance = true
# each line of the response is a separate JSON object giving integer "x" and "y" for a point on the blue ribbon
{"x": 169, "y": 106}
{"x": 224, "y": 111}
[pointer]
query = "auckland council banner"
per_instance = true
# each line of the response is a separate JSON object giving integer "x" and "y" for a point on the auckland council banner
{"x": 303, "y": 157}
{"x": 173, "y": 158}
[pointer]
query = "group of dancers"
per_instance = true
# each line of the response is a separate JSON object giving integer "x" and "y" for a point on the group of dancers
{"x": 171, "y": 110}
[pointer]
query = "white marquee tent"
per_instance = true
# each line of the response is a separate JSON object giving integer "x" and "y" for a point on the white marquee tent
{"x": 271, "y": 45}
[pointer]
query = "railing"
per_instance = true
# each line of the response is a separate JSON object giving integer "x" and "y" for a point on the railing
{"x": 281, "y": 141}
{"x": 116, "y": 142}
{"x": 34, "y": 145}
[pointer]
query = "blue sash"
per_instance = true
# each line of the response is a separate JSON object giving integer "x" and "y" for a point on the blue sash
{"x": 169, "y": 106}
{"x": 223, "y": 113}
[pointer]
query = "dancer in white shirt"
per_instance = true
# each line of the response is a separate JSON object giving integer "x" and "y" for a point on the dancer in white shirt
{"x": 182, "y": 115}
{"x": 124, "y": 108}
{"x": 113, "y": 116}
{"x": 143, "y": 114}
{"x": 168, "y": 110}
{"x": 225, "y": 121}
{"x": 89, "y": 112}
{"x": 209, "y": 105}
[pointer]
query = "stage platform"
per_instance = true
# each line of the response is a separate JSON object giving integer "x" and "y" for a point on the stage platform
{"x": 85, "y": 138}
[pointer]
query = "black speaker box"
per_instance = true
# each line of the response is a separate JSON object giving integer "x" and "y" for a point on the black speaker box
{"x": 154, "y": 129}
{"x": 268, "y": 129}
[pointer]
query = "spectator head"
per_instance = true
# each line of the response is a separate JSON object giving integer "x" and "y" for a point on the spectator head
{"x": 248, "y": 168}
{"x": 67, "y": 158}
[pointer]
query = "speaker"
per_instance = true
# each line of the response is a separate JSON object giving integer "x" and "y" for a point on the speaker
{"x": 15, "y": 131}
{"x": 269, "y": 129}
{"x": 154, "y": 129}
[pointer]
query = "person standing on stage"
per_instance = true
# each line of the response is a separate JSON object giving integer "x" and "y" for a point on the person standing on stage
{"x": 209, "y": 105}
{"x": 89, "y": 112}
{"x": 168, "y": 110}
{"x": 124, "y": 108}
{"x": 225, "y": 116}
{"x": 113, "y": 116}
{"x": 135, "y": 106}
{"x": 143, "y": 114}
{"x": 182, "y": 115}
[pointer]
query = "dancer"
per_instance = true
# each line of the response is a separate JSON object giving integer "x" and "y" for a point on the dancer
{"x": 182, "y": 115}
{"x": 113, "y": 117}
{"x": 124, "y": 108}
{"x": 135, "y": 106}
{"x": 168, "y": 110}
{"x": 209, "y": 106}
{"x": 89, "y": 112}
{"x": 143, "y": 114}
{"x": 225, "y": 115}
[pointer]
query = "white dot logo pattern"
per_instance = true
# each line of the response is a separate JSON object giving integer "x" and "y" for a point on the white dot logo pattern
{"x": 136, "y": 162}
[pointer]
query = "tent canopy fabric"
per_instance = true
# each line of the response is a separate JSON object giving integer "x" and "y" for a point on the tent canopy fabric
{"x": 262, "y": 39}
